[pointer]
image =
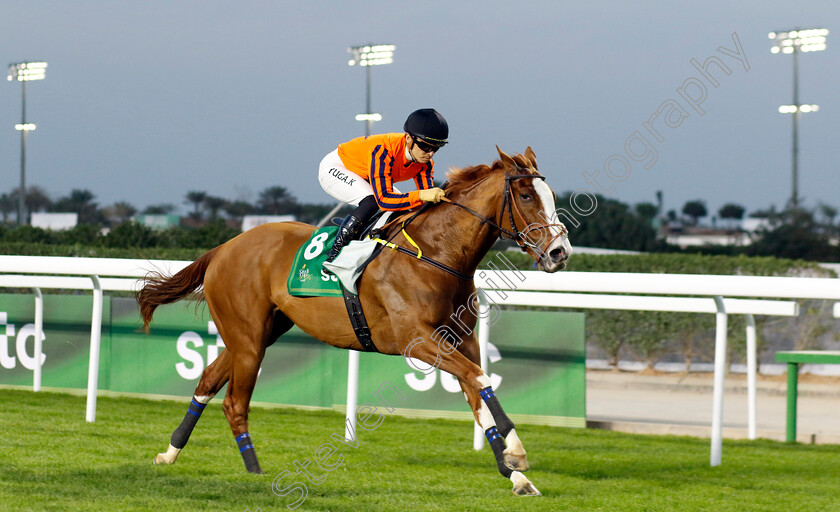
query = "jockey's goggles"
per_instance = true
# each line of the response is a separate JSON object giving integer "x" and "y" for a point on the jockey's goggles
{"x": 427, "y": 147}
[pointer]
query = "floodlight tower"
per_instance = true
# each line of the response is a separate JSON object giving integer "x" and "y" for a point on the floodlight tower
{"x": 24, "y": 72}
{"x": 367, "y": 56}
{"x": 794, "y": 42}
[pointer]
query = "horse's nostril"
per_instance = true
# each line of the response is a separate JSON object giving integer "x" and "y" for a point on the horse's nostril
{"x": 557, "y": 254}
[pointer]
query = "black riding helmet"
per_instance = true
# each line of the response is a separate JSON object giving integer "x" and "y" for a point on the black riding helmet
{"x": 427, "y": 124}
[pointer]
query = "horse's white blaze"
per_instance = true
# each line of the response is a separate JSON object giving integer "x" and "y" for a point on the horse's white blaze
{"x": 556, "y": 227}
{"x": 203, "y": 399}
{"x": 547, "y": 201}
{"x": 485, "y": 417}
{"x": 169, "y": 457}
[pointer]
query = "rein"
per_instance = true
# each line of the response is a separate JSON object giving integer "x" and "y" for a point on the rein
{"x": 508, "y": 203}
{"x": 419, "y": 254}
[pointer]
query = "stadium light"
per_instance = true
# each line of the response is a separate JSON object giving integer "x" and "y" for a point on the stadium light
{"x": 367, "y": 56}
{"x": 792, "y": 109}
{"x": 794, "y": 42}
{"x": 24, "y": 72}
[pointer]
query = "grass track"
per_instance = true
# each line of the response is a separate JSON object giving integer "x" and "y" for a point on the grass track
{"x": 51, "y": 459}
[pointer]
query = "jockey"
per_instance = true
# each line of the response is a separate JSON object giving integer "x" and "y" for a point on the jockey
{"x": 362, "y": 172}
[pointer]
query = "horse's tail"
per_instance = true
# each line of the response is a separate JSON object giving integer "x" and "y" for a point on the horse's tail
{"x": 160, "y": 289}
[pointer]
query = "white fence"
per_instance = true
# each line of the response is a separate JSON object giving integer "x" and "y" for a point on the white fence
{"x": 507, "y": 287}
{"x": 647, "y": 303}
{"x": 514, "y": 283}
{"x": 50, "y": 272}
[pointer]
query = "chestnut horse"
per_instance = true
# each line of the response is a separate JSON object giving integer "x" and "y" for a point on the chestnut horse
{"x": 404, "y": 299}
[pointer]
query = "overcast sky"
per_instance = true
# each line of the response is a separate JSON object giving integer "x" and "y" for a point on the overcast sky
{"x": 147, "y": 100}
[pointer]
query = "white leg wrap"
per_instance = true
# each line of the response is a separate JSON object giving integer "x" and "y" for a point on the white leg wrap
{"x": 203, "y": 399}
{"x": 521, "y": 485}
{"x": 513, "y": 443}
{"x": 485, "y": 418}
{"x": 484, "y": 381}
{"x": 169, "y": 457}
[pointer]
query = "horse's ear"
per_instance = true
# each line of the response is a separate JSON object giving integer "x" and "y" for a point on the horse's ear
{"x": 506, "y": 159}
{"x": 529, "y": 154}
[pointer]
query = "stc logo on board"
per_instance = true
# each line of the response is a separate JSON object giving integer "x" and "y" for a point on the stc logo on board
{"x": 424, "y": 380}
{"x": 10, "y": 360}
{"x": 196, "y": 356}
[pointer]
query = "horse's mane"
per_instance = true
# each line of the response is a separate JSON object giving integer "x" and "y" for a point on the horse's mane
{"x": 459, "y": 180}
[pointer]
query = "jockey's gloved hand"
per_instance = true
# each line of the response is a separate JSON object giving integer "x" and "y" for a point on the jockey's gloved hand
{"x": 432, "y": 195}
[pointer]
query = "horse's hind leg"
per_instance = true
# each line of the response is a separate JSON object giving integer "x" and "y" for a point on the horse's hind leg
{"x": 251, "y": 339}
{"x": 212, "y": 379}
{"x": 243, "y": 378}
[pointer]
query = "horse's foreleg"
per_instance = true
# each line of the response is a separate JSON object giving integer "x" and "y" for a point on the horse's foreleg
{"x": 514, "y": 454}
{"x": 212, "y": 379}
{"x": 501, "y": 434}
{"x": 485, "y": 406}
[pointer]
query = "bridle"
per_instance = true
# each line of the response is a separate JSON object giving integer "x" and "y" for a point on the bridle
{"x": 508, "y": 205}
{"x": 520, "y": 237}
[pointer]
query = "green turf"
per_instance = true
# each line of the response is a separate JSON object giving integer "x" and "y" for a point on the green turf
{"x": 51, "y": 459}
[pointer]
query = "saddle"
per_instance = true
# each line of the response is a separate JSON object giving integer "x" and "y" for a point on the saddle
{"x": 311, "y": 276}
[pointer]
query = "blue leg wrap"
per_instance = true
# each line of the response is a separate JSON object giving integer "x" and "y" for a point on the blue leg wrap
{"x": 182, "y": 433}
{"x": 503, "y": 423}
{"x": 249, "y": 456}
{"x": 497, "y": 443}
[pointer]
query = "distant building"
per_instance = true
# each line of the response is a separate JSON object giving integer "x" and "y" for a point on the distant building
{"x": 54, "y": 221}
{"x": 159, "y": 221}
{"x": 252, "y": 221}
{"x": 752, "y": 225}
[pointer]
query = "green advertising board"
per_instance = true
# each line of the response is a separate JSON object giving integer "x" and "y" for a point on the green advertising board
{"x": 66, "y": 343}
{"x": 537, "y": 360}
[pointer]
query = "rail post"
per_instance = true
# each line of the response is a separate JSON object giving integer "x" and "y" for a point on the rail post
{"x": 95, "y": 339}
{"x": 39, "y": 338}
{"x": 720, "y": 370}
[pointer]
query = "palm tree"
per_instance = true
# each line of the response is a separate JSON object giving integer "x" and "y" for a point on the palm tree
{"x": 119, "y": 212}
{"x": 79, "y": 201}
{"x": 7, "y": 206}
{"x": 277, "y": 201}
{"x": 196, "y": 198}
{"x": 731, "y": 211}
{"x": 828, "y": 213}
{"x": 159, "y": 209}
{"x": 238, "y": 209}
{"x": 214, "y": 204}
{"x": 695, "y": 209}
{"x": 37, "y": 199}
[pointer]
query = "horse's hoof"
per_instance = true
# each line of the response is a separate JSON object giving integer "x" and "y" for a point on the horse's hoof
{"x": 160, "y": 458}
{"x": 522, "y": 486}
{"x": 516, "y": 462}
{"x": 169, "y": 457}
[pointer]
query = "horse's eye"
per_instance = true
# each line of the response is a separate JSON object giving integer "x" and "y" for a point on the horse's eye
{"x": 525, "y": 197}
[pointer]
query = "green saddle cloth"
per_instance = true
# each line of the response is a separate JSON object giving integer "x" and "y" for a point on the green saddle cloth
{"x": 308, "y": 277}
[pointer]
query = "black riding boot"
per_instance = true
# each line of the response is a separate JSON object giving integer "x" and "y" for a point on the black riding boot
{"x": 349, "y": 230}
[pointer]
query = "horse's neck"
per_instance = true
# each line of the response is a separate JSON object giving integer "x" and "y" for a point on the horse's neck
{"x": 457, "y": 238}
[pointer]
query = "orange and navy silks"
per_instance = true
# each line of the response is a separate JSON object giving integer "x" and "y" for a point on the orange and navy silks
{"x": 380, "y": 160}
